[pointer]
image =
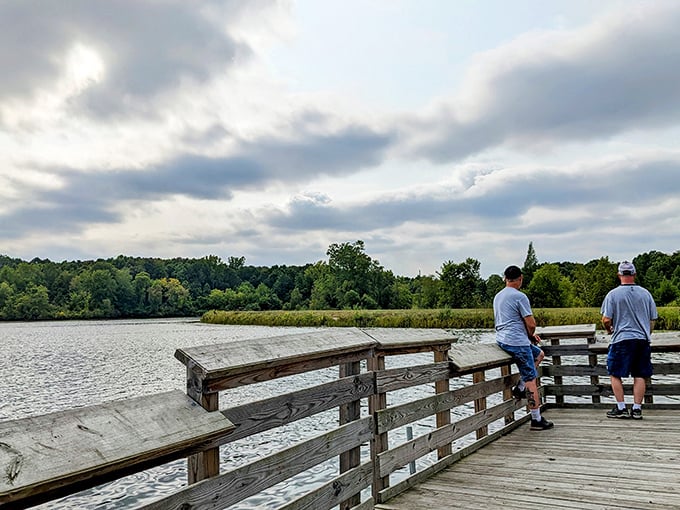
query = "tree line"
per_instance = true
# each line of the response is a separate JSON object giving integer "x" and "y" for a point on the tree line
{"x": 127, "y": 287}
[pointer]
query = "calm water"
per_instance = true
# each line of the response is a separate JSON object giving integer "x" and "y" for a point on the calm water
{"x": 51, "y": 366}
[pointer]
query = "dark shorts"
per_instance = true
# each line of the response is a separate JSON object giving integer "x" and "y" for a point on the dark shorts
{"x": 630, "y": 358}
{"x": 525, "y": 357}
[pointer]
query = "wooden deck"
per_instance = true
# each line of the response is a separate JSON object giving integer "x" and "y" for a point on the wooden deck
{"x": 588, "y": 461}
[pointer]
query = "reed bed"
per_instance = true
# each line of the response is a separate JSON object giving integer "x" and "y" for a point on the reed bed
{"x": 669, "y": 318}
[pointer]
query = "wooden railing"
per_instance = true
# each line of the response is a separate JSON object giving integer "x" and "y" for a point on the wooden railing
{"x": 458, "y": 401}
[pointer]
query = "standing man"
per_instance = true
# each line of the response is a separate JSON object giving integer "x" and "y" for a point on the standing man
{"x": 515, "y": 334}
{"x": 629, "y": 314}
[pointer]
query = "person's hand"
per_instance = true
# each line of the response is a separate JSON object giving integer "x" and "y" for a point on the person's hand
{"x": 536, "y": 340}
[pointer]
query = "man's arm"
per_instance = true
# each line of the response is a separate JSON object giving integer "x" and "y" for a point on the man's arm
{"x": 608, "y": 324}
{"x": 530, "y": 325}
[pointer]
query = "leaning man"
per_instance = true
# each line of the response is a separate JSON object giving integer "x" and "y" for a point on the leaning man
{"x": 629, "y": 314}
{"x": 515, "y": 333}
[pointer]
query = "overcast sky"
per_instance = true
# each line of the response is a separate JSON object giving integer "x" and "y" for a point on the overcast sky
{"x": 433, "y": 130}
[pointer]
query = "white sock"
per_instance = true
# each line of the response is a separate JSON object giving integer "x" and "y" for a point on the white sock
{"x": 621, "y": 405}
{"x": 637, "y": 406}
{"x": 536, "y": 414}
{"x": 520, "y": 385}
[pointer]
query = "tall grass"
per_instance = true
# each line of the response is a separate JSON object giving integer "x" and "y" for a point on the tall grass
{"x": 478, "y": 318}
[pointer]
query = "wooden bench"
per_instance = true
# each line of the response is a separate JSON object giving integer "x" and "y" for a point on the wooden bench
{"x": 53, "y": 455}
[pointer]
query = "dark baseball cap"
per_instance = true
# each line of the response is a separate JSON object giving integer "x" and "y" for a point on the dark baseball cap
{"x": 512, "y": 272}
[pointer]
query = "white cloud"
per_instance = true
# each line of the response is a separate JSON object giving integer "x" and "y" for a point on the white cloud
{"x": 159, "y": 128}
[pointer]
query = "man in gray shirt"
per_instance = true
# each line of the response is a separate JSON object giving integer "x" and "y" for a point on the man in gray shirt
{"x": 628, "y": 314}
{"x": 515, "y": 334}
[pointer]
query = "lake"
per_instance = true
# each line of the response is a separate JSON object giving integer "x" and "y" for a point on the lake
{"x": 51, "y": 366}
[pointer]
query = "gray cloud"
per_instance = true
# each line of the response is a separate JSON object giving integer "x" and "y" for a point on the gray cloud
{"x": 90, "y": 197}
{"x": 148, "y": 47}
{"x": 615, "y": 76}
{"x": 500, "y": 205}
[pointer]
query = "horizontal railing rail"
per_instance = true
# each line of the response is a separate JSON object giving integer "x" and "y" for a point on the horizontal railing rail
{"x": 393, "y": 409}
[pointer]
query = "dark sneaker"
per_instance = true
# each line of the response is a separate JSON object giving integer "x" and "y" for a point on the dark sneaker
{"x": 620, "y": 413}
{"x": 541, "y": 424}
{"x": 530, "y": 398}
{"x": 517, "y": 393}
{"x": 636, "y": 414}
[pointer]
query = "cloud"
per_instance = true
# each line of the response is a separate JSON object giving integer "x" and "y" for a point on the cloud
{"x": 146, "y": 47}
{"x": 610, "y": 192}
{"x": 617, "y": 75}
{"x": 84, "y": 198}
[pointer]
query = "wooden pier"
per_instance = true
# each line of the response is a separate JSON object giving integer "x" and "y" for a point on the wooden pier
{"x": 588, "y": 461}
{"x": 473, "y": 448}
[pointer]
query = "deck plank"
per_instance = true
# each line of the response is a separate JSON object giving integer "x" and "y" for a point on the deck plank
{"x": 587, "y": 462}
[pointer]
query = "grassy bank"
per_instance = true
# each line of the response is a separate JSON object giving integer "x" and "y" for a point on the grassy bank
{"x": 669, "y": 318}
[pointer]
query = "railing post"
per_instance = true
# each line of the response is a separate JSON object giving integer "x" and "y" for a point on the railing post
{"x": 205, "y": 464}
{"x": 480, "y": 403}
{"x": 378, "y": 402}
{"x": 443, "y": 418}
{"x": 350, "y": 412}
{"x": 594, "y": 379}
{"x": 557, "y": 379}
{"x": 507, "y": 393}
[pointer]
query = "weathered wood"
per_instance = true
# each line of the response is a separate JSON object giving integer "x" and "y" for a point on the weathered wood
{"x": 377, "y": 403}
{"x": 229, "y": 364}
{"x": 230, "y": 488}
{"x": 337, "y": 490}
{"x": 409, "y": 451}
{"x": 660, "y": 343}
{"x": 443, "y": 417}
{"x": 262, "y": 415}
{"x": 480, "y": 403}
{"x": 406, "y": 377}
{"x": 403, "y": 414}
{"x": 567, "y": 331}
{"x": 627, "y": 467}
{"x": 556, "y": 361}
{"x": 566, "y": 349}
{"x": 349, "y": 412}
{"x": 391, "y": 341}
{"x": 205, "y": 464}
{"x": 574, "y": 370}
{"x": 60, "y": 453}
{"x": 468, "y": 358}
{"x": 425, "y": 474}
{"x": 605, "y": 390}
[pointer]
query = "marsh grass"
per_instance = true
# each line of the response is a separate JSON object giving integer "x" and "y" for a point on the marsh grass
{"x": 669, "y": 318}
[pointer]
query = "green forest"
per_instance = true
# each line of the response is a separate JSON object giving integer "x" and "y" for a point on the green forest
{"x": 350, "y": 279}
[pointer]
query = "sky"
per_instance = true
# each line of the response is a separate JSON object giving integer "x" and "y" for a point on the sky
{"x": 432, "y": 130}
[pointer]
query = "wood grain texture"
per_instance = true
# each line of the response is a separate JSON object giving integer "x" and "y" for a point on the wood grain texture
{"x": 53, "y": 453}
{"x": 586, "y": 462}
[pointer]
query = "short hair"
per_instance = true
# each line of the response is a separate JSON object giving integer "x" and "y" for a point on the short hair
{"x": 512, "y": 272}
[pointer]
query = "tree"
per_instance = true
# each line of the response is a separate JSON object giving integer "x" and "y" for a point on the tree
{"x": 548, "y": 288}
{"x": 530, "y": 265}
{"x": 460, "y": 284}
{"x": 494, "y": 284}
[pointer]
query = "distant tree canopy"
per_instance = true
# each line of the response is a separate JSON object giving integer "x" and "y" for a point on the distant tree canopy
{"x": 349, "y": 279}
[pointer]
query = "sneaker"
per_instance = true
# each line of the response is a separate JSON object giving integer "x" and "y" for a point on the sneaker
{"x": 636, "y": 414}
{"x": 517, "y": 393}
{"x": 530, "y": 398}
{"x": 543, "y": 424}
{"x": 620, "y": 413}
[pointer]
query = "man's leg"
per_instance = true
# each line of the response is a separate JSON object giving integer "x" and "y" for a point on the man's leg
{"x": 639, "y": 388}
{"x": 532, "y": 387}
{"x": 617, "y": 388}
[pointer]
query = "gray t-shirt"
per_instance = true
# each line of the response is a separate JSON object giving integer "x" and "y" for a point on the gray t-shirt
{"x": 631, "y": 309}
{"x": 510, "y": 306}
